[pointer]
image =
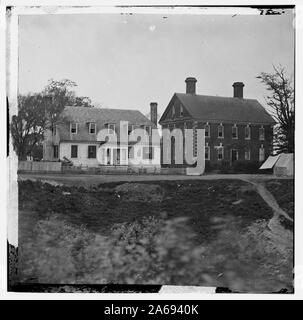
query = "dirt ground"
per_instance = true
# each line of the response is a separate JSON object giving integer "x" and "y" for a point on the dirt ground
{"x": 216, "y": 210}
{"x": 89, "y": 180}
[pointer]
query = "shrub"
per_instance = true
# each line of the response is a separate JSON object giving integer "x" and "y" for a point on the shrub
{"x": 157, "y": 251}
{"x": 147, "y": 251}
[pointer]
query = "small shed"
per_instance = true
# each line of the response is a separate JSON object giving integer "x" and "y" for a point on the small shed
{"x": 282, "y": 164}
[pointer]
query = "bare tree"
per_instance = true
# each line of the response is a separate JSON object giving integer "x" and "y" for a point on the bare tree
{"x": 280, "y": 101}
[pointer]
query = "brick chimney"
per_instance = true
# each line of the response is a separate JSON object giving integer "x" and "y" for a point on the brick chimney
{"x": 191, "y": 85}
{"x": 238, "y": 89}
{"x": 154, "y": 113}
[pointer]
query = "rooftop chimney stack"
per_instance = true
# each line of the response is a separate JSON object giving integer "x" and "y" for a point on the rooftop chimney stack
{"x": 191, "y": 85}
{"x": 154, "y": 112}
{"x": 238, "y": 89}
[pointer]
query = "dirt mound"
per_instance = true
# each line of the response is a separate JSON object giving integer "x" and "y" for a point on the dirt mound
{"x": 139, "y": 192}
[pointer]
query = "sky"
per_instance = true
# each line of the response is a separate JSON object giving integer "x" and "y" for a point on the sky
{"x": 128, "y": 61}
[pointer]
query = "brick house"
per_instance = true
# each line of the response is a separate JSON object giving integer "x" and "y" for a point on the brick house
{"x": 236, "y": 129}
{"x": 75, "y": 139}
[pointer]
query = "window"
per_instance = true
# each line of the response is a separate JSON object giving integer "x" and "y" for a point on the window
{"x": 261, "y": 133}
{"x": 234, "y": 132}
{"x": 147, "y": 130}
{"x": 261, "y": 153}
{"x": 92, "y": 128}
{"x": 73, "y": 128}
{"x": 247, "y": 132}
{"x": 181, "y": 110}
{"x": 207, "y": 130}
{"x": 207, "y": 152}
{"x": 130, "y": 152}
{"x": 130, "y": 129}
{"x": 220, "y": 153}
{"x": 92, "y": 150}
{"x": 220, "y": 131}
{"x": 173, "y": 111}
{"x": 74, "y": 151}
{"x": 247, "y": 154}
{"x": 147, "y": 153}
{"x": 54, "y": 130}
{"x": 110, "y": 126}
{"x": 56, "y": 152}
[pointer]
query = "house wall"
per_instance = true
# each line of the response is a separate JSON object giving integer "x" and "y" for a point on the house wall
{"x": 82, "y": 159}
{"x": 228, "y": 143}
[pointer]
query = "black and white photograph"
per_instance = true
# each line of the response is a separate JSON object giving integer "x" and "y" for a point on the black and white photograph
{"x": 151, "y": 149}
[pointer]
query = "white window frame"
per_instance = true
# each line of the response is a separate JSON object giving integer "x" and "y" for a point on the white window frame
{"x": 181, "y": 110}
{"x": 71, "y": 127}
{"x": 261, "y": 137}
{"x": 247, "y": 152}
{"x": 234, "y": 127}
{"x": 173, "y": 111}
{"x": 132, "y": 129}
{"x": 90, "y": 126}
{"x": 208, "y": 148}
{"x": 248, "y": 127}
{"x": 208, "y": 126}
{"x": 221, "y": 148}
{"x": 221, "y": 126}
{"x": 237, "y": 154}
{"x": 261, "y": 148}
{"x": 109, "y": 127}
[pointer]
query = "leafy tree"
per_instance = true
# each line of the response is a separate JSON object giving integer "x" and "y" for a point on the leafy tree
{"x": 280, "y": 101}
{"x": 27, "y": 127}
{"x": 38, "y": 112}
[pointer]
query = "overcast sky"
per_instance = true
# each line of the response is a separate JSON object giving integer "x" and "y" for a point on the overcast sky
{"x": 127, "y": 61}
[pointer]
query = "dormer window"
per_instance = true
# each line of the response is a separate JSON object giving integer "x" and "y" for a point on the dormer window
{"x": 92, "y": 128}
{"x": 234, "y": 132}
{"x": 220, "y": 131}
{"x": 130, "y": 129}
{"x": 147, "y": 130}
{"x": 111, "y": 127}
{"x": 74, "y": 128}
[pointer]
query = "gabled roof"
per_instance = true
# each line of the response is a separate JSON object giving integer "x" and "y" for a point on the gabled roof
{"x": 100, "y": 116}
{"x": 223, "y": 109}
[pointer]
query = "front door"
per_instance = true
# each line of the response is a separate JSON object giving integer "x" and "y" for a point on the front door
{"x": 116, "y": 156}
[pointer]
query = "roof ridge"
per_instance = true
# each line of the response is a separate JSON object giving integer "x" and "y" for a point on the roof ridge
{"x": 98, "y": 108}
{"x": 211, "y": 96}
